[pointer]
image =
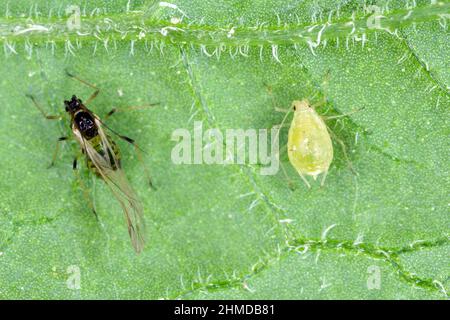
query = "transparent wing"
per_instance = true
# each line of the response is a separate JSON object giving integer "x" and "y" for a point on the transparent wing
{"x": 117, "y": 181}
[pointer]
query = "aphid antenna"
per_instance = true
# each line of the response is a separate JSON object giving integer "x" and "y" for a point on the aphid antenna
{"x": 320, "y": 89}
{"x": 326, "y": 78}
{"x": 283, "y": 122}
{"x": 93, "y": 95}
{"x": 319, "y": 103}
{"x": 130, "y": 108}
{"x": 342, "y": 115}
{"x": 71, "y": 75}
{"x": 287, "y": 111}
{"x": 281, "y": 110}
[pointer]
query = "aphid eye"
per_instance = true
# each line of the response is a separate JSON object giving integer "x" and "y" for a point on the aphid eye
{"x": 295, "y": 108}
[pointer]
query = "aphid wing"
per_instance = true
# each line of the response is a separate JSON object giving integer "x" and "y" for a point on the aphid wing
{"x": 115, "y": 178}
{"x": 131, "y": 206}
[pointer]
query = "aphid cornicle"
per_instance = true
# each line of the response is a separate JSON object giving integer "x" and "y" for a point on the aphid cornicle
{"x": 103, "y": 158}
{"x": 309, "y": 146}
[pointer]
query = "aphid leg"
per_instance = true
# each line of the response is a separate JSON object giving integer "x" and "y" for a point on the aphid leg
{"x": 41, "y": 110}
{"x": 55, "y": 153}
{"x": 130, "y": 108}
{"x": 322, "y": 182}
{"x": 286, "y": 176}
{"x": 93, "y": 95}
{"x": 344, "y": 149}
{"x": 304, "y": 179}
{"x": 283, "y": 169}
{"x": 84, "y": 188}
{"x": 139, "y": 152}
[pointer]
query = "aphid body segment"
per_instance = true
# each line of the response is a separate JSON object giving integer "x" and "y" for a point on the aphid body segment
{"x": 310, "y": 149}
{"x": 103, "y": 158}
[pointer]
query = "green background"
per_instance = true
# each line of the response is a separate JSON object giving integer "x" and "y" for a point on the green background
{"x": 217, "y": 231}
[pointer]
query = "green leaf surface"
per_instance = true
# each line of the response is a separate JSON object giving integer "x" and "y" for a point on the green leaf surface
{"x": 226, "y": 231}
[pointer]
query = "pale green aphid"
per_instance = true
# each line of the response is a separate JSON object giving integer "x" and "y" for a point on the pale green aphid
{"x": 310, "y": 149}
{"x": 309, "y": 145}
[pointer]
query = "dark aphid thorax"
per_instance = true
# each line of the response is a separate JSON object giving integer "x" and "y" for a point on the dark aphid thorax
{"x": 86, "y": 124}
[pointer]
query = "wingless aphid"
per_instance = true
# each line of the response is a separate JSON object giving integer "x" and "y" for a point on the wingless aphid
{"x": 309, "y": 146}
{"x": 103, "y": 158}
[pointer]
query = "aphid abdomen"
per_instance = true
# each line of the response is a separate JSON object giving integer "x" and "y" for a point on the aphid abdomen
{"x": 310, "y": 149}
{"x": 114, "y": 159}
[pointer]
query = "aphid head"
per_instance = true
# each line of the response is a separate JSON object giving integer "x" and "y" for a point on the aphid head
{"x": 73, "y": 105}
{"x": 300, "y": 105}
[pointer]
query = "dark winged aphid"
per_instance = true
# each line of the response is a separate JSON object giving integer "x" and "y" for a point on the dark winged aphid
{"x": 103, "y": 158}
